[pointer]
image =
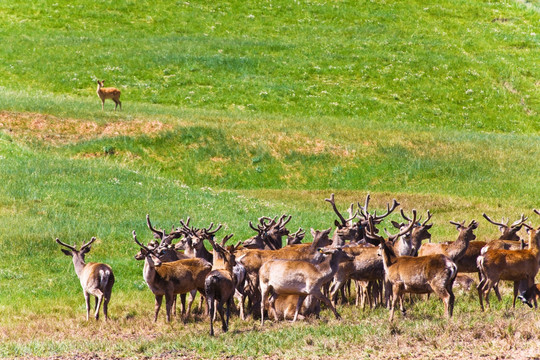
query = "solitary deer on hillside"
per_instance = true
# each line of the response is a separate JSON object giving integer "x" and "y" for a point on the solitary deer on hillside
{"x": 105, "y": 93}
{"x": 96, "y": 279}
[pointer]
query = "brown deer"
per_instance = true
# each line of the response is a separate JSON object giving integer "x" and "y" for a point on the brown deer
{"x": 509, "y": 239}
{"x": 171, "y": 278}
{"x": 220, "y": 283}
{"x": 253, "y": 259}
{"x": 105, "y": 93}
{"x": 454, "y": 250}
{"x": 296, "y": 238}
{"x": 96, "y": 279}
{"x": 285, "y": 306}
{"x": 512, "y": 265}
{"x": 410, "y": 243}
{"x": 301, "y": 278}
{"x": 418, "y": 275}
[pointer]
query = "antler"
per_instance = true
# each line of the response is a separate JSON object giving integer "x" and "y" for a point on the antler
{"x": 281, "y": 223}
{"x": 389, "y": 210}
{"x": 428, "y": 217}
{"x": 66, "y": 245}
{"x": 407, "y": 229}
{"x": 370, "y": 230}
{"x": 160, "y": 234}
{"x": 141, "y": 245}
{"x": 520, "y": 221}
{"x": 461, "y": 224}
{"x": 88, "y": 243}
{"x": 211, "y": 233}
{"x": 331, "y": 201}
{"x": 493, "y": 222}
{"x": 536, "y": 211}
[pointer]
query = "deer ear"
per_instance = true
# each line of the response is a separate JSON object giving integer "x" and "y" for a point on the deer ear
{"x": 66, "y": 252}
{"x": 86, "y": 249}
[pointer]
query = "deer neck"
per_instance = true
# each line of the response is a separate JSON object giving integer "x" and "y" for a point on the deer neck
{"x": 534, "y": 240}
{"x": 388, "y": 258}
{"x": 79, "y": 264}
{"x": 328, "y": 267}
{"x": 456, "y": 250}
{"x": 337, "y": 240}
{"x": 149, "y": 271}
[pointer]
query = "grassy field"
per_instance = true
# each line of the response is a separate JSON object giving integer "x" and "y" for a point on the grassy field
{"x": 234, "y": 110}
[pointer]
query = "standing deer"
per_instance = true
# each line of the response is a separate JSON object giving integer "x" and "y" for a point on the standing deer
{"x": 105, "y": 93}
{"x": 417, "y": 275}
{"x": 220, "y": 283}
{"x": 171, "y": 278}
{"x": 96, "y": 279}
{"x": 513, "y": 265}
{"x": 301, "y": 278}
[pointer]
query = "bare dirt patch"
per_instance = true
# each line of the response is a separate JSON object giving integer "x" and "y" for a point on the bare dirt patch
{"x": 59, "y": 131}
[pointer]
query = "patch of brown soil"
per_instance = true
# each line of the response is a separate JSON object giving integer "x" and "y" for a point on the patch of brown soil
{"x": 58, "y": 131}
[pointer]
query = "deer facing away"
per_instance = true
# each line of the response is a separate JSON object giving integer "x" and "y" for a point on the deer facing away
{"x": 96, "y": 279}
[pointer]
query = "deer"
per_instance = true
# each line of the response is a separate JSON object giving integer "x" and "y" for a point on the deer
{"x": 509, "y": 239}
{"x": 409, "y": 244}
{"x": 513, "y": 265}
{"x": 105, "y": 93}
{"x": 363, "y": 223}
{"x": 345, "y": 230}
{"x": 417, "y": 275}
{"x": 253, "y": 259}
{"x": 297, "y": 277}
{"x": 171, "y": 278}
{"x": 285, "y": 306}
{"x": 220, "y": 283}
{"x": 269, "y": 233}
{"x": 96, "y": 279}
{"x": 296, "y": 238}
{"x": 454, "y": 250}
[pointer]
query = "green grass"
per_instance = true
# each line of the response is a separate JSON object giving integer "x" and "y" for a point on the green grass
{"x": 264, "y": 109}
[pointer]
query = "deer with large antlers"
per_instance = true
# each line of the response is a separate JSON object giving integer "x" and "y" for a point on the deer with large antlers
{"x": 294, "y": 277}
{"x": 171, "y": 278}
{"x": 345, "y": 230}
{"x": 513, "y": 265}
{"x": 509, "y": 239}
{"x": 269, "y": 233}
{"x": 363, "y": 223}
{"x": 220, "y": 283}
{"x": 96, "y": 279}
{"x": 417, "y": 275}
{"x": 410, "y": 243}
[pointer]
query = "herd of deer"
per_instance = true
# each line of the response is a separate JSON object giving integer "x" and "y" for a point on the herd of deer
{"x": 291, "y": 281}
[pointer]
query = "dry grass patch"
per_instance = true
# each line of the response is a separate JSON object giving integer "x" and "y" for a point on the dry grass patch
{"x": 59, "y": 131}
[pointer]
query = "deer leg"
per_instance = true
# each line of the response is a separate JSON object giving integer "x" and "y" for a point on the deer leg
{"x": 395, "y": 297}
{"x": 327, "y": 302}
{"x": 228, "y": 313}
{"x": 159, "y": 299}
{"x": 182, "y": 304}
{"x": 221, "y": 315}
{"x": 87, "y": 300}
{"x": 192, "y": 296}
{"x": 106, "y": 300}
{"x": 210, "y": 304}
{"x": 102, "y": 104}
{"x": 301, "y": 299}
{"x": 99, "y": 300}
{"x": 264, "y": 293}
{"x": 168, "y": 305}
